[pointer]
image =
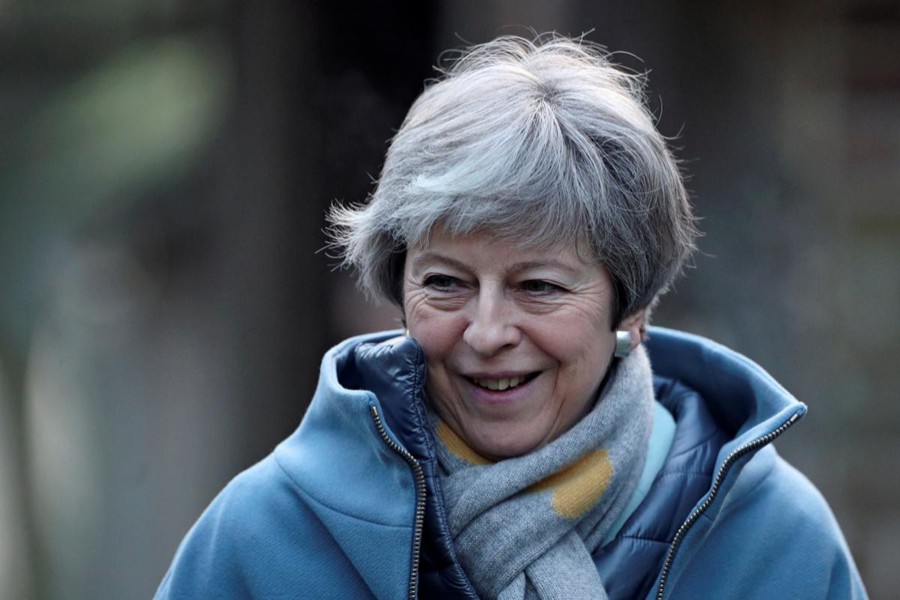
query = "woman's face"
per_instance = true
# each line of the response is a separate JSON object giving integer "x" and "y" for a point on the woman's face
{"x": 516, "y": 340}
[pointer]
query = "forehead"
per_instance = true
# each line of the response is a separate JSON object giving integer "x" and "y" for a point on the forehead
{"x": 489, "y": 248}
{"x": 500, "y": 238}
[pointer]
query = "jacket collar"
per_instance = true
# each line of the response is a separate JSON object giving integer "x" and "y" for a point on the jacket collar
{"x": 727, "y": 409}
{"x": 395, "y": 371}
{"x": 743, "y": 400}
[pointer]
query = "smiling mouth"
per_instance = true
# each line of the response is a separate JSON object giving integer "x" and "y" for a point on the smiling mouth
{"x": 503, "y": 384}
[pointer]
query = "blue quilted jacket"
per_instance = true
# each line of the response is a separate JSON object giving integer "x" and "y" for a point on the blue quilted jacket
{"x": 347, "y": 506}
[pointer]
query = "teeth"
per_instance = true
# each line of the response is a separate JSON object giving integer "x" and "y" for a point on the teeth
{"x": 499, "y": 384}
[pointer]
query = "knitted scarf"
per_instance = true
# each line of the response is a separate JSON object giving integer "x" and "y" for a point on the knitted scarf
{"x": 526, "y": 527}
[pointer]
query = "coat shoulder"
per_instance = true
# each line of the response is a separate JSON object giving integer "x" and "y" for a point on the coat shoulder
{"x": 258, "y": 538}
{"x": 775, "y": 536}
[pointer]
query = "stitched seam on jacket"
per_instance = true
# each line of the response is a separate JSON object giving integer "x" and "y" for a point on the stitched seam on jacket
{"x": 646, "y": 539}
{"x": 686, "y": 472}
{"x": 697, "y": 445}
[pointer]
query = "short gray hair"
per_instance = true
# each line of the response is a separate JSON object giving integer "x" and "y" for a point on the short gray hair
{"x": 540, "y": 142}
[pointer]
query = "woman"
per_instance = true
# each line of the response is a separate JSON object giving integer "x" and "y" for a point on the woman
{"x": 515, "y": 442}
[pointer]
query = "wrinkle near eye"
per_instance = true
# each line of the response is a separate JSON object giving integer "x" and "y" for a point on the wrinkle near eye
{"x": 419, "y": 297}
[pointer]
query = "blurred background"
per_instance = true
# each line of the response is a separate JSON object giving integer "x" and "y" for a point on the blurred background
{"x": 165, "y": 167}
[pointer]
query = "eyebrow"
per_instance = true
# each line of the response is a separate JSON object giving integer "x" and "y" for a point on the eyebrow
{"x": 426, "y": 257}
{"x": 518, "y": 267}
{"x": 540, "y": 264}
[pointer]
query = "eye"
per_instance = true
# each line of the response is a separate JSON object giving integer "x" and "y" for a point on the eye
{"x": 441, "y": 283}
{"x": 539, "y": 286}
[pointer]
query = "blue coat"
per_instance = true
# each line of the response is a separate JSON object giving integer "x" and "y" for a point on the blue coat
{"x": 346, "y": 507}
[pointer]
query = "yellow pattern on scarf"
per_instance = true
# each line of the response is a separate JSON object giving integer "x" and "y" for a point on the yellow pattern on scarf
{"x": 457, "y": 446}
{"x": 576, "y": 489}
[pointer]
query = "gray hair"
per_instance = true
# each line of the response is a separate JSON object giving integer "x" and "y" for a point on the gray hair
{"x": 541, "y": 143}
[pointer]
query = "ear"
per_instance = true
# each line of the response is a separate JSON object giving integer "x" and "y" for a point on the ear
{"x": 635, "y": 324}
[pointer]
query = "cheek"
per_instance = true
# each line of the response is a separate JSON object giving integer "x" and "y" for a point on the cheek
{"x": 583, "y": 350}
{"x": 436, "y": 332}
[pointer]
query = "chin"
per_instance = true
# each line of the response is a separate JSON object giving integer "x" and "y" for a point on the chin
{"x": 508, "y": 446}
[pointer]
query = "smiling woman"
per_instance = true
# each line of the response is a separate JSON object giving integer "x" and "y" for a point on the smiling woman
{"x": 516, "y": 340}
{"x": 515, "y": 441}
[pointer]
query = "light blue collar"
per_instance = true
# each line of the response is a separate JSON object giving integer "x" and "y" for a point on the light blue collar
{"x": 661, "y": 436}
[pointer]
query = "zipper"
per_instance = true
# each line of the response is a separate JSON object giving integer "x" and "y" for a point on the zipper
{"x": 736, "y": 454}
{"x": 419, "y": 476}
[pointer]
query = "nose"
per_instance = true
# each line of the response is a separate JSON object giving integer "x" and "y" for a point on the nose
{"x": 492, "y": 324}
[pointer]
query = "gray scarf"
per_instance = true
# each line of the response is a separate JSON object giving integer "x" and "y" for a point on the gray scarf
{"x": 526, "y": 527}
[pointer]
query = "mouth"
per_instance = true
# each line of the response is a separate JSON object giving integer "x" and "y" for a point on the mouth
{"x": 502, "y": 384}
